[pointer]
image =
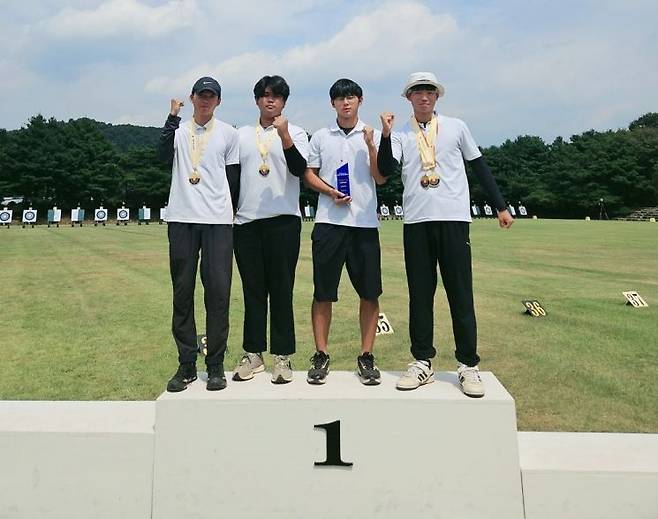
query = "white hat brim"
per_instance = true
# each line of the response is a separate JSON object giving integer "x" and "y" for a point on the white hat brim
{"x": 439, "y": 86}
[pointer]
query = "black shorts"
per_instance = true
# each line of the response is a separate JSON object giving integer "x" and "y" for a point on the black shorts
{"x": 337, "y": 245}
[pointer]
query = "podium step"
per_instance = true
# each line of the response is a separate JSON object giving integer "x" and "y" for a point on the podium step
{"x": 253, "y": 449}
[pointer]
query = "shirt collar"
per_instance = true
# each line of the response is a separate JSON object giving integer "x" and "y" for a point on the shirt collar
{"x": 358, "y": 128}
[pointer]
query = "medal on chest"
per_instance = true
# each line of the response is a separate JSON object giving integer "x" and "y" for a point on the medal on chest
{"x": 263, "y": 143}
{"x": 198, "y": 143}
{"x": 426, "y": 144}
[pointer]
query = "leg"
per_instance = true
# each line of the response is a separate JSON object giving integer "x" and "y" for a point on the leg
{"x": 364, "y": 269}
{"x": 329, "y": 253}
{"x": 368, "y": 316}
{"x": 321, "y": 320}
{"x": 281, "y": 244}
{"x": 184, "y": 244}
{"x": 420, "y": 264}
{"x": 216, "y": 272}
{"x": 250, "y": 258}
{"x": 455, "y": 265}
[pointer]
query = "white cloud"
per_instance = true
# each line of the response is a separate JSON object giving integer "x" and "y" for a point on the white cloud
{"x": 122, "y": 17}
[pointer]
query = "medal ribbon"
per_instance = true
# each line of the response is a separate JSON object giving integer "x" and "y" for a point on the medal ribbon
{"x": 264, "y": 145}
{"x": 426, "y": 143}
{"x": 198, "y": 143}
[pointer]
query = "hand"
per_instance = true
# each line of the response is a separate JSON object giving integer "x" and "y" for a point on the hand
{"x": 505, "y": 219}
{"x": 387, "y": 119}
{"x": 281, "y": 124}
{"x": 368, "y": 135}
{"x": 176, "y": 105}
{"x": 339, "y": 198}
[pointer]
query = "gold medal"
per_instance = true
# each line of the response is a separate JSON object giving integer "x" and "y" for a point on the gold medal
{"x": 425, "y": 181}
{"x": 264, "y": 140}
{"x": 194, "y": 178}
{"x": 198, "y": 145}
{"x": 264, "y": 169}
{"x": 434, "y": 180}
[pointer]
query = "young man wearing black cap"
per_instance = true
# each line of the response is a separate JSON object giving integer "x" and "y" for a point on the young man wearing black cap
{"x": 205, "y": 174}
{"x": 346, "y": 226}
{"x": 432, "y": 149}
{"x": 267, "y": 228}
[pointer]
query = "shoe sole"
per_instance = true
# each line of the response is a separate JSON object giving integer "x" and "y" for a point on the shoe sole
{"x": 369, "y": 381}
{"x": 259, "y": 369}
{"x": 182, "y": 389}
{"x": 473, "y": 395}
{"x": 428, "y": 381}
{"x": 281, "y": 380}
{"x": 316, "y": 381}
{"x": 216, "y": 388}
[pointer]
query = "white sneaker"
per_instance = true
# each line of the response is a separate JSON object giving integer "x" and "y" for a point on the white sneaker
{"x": 470, "y": 381}
{"x": 282, "y": 371}
{"x": 249, "y": 365}
{"x": 418, "y": 373}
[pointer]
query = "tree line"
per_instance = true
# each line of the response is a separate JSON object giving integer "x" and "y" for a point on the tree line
{"x": 86, "y": 162}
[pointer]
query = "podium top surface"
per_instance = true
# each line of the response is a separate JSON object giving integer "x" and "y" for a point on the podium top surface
{"x": 341, "y": 385}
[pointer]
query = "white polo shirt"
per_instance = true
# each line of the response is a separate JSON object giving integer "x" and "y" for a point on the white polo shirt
{"x": 450, "y": 200}
{"x": 209, "y": 201}
{"x": 330, "y": 148}
{"x": 276, "y": 193}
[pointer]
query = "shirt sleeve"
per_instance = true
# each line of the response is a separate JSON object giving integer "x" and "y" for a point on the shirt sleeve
{"x": 314, "y": 160}
{"x": 467, "y": 144}
{"x": 233, "y": 148}
{"x": 396, "y": 146}
{"x": 300, "y": 140}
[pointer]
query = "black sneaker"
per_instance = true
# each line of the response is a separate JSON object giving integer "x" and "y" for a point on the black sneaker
{"x": 319, "y": 368}
{"x": 185, "y": 375}
{"x": 216, "y": 378}
{"x": 367, "y": 369}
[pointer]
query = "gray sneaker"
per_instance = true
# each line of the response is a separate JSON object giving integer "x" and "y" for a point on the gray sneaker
{"x": 470, "y": 381}
{"x": 249, "y": 365}
{"x": 282, "y": 371}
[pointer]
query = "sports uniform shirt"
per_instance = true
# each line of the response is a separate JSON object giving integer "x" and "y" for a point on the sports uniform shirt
{"x": 274, "y": 194}
{"x": 450, "y": 200}
{"x": 330, "y": 148}
{"x": 209, "y": 201}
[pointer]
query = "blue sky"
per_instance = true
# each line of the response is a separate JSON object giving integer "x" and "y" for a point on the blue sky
{"x": 509, "y": 67}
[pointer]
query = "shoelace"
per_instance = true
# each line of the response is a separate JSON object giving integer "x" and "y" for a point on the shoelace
{"x": 318, "y": 360}
{"x": 471, "y": 374}
{"x": 246, "y": 358}
{"x": 368, "y": 362}
{"x": 281, "y": 361}
{"x": 414, "y": 369}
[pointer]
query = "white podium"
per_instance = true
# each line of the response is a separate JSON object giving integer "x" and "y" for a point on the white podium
{"x": 251, "y": 450}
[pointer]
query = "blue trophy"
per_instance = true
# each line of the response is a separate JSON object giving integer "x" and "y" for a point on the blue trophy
{"x": 343, "y": 179}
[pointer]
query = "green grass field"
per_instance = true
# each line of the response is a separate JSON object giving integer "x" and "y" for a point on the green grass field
{"x": 86, "y": 315}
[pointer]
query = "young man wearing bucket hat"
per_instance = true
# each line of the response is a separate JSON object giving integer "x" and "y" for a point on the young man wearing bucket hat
{"x": 204, "y": 156}
{"x": 267, "y": 230}
{"x": 342, "y": 167}
{"x": 432, "y": 149}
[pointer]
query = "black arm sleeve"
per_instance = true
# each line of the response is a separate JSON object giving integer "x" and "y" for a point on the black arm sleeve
{"x": 165, "y": 151}
{"x": 233, "y": 177}
{"x": 386, "y": 164}
{"x": 296, "y": 163}
{"x": 488, "y": 182}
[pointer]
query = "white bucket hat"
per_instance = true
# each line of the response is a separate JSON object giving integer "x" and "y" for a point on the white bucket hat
{"x": 423, "y": 78}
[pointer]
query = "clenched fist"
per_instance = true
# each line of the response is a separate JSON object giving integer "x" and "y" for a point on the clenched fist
{"x": 387, "y": 119}
{"x": 176, "y": 105}
{"x": 368, "y": 135}
{"x": 281, "y": 124}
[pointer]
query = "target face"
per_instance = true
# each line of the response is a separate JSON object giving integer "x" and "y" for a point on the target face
{"x": 29, "y": 216}
{"x": 384, "y": 211}
{"x": 101, "y": 214}
{"x": 5, "y": 216}
{"x": 123, "y": 214}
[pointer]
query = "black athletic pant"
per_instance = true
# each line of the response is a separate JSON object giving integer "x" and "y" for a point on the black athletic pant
{"x": 215, "y": 242}
{"x": 266, "y": 252}
{"x": 448, "y": 244}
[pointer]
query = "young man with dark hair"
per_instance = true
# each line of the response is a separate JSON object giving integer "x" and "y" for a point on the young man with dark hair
{"x": 267, "y": 228}
{"x": 204, "y": 156}
{"x": 345, "y": 232}
{"x": 432, "y": 149}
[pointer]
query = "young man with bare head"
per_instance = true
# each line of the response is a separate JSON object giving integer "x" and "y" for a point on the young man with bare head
{"x": 204, "y": 156}
{"x": 267, "y": 228}
{"x": 432, "y": 149}
{"x": 342, "y": 167}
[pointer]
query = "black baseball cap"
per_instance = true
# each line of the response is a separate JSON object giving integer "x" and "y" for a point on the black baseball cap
{"x": 207, "y": 83}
